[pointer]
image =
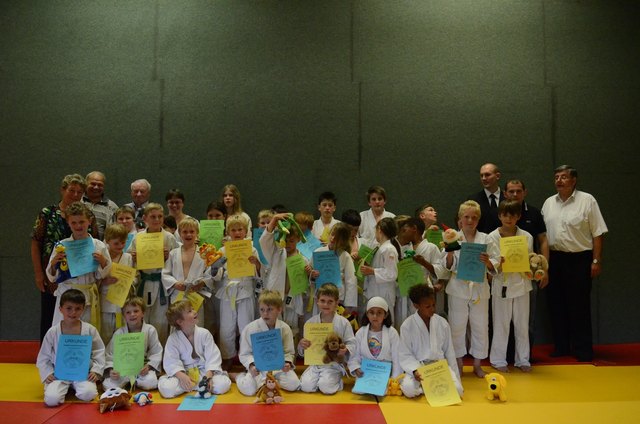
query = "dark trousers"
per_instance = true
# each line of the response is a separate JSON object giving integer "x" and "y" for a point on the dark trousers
{"x": 47, "y": 307}
{"x": 569, "y": 293}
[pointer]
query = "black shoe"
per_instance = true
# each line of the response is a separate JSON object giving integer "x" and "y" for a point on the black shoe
{"x": 584, "y": 358}
{"x": 558, "y": 353}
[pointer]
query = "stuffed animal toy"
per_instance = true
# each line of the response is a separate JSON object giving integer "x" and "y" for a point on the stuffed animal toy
{"x": 112, "y": 399}
{"x": 495, "y": 386}
{"x": 62, "y": 266}
{"x": 393, "y": 388}
{"x": 332, "y": 345}
{"x": 203, "y": 388}
{"x": 351, "y": 317}
{"x": 143, "y": 398}
{"x": 450, "y": 239}
{"x": 269, "y": 392}
{"x": 209, "y": 253}
{"x": 283, "y": 230}
{"x": 539, "y": 267}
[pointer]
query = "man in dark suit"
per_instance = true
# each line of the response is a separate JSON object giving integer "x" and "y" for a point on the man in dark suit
{"x": 489, "y": 198}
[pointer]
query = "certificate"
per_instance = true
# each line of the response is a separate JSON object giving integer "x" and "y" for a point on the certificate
{"x": 257, "y": 233}
{"x": 435, "y": 237}
{"x": 366, "y": 253}
{"x": 118, "y": 292}
{"x": 197, "y": 403}
{"x": 438, "y": 385}
{"x": 149, "y": 250}
{"x": 375, "y": 377}
{"x": 237, "y": 253}
{"x": 80, "y": 256}
{"x": 410, "y": 273}
{"x": 298, "y": 278}
{"x": 194, "y": 298}
{"x": 316, "y": 333}
{"x": 307, "y": 249}
{"x": 328, "y": 264}
{"x": 128, "y": 353}
{"x": 516, "y": 254}
{"x": 268, "y": 352}
{"x": 212, "y": 231}
{"x": 73, "y": 357}
{"x": 470, "y": 267}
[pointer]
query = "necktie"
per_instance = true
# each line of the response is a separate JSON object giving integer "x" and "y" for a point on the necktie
{"x": 493, "y": 203}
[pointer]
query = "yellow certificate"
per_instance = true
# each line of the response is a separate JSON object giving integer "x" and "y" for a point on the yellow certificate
{"x": 119, "y": 291}
{"x": 316, "y": 333}
{"x": 516, "y": 254}
{"x": 438, "y": 385}
{"x": 149, "y": 251}
{"x": 194, "y": 298}
{"x": 237, "y": 253}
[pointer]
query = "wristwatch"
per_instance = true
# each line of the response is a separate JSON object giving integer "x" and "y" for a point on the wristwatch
{"x": 595, "y": 261}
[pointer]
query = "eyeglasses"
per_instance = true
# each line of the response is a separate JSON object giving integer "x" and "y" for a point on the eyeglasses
{"x": 562, "y": 177}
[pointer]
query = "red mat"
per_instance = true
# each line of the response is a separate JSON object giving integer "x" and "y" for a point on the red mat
{"x": 30, "y": 413}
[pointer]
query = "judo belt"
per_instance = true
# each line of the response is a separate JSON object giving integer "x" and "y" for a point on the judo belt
{"x": 155, "y": 278}
{"x": 91, "y": 291}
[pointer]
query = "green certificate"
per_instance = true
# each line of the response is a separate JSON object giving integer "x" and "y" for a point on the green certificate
{"x": 212, "y": 231}
{"x": 410, "y": 273}
{"x": 298, "y": 279}
{"x": 128, "y": 353}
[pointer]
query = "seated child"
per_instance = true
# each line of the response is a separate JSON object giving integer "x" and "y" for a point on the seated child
{"x": 115, "y": 237}
{"x": 270, "y": 306}
{"x": 190, "y": 354}
{"x": 72, "y": 305}
{"x": 237, "y": 296}
{"x": 376, "y": 339}
{"x": 327, "y": 378}
{"x": 321, "y": 228}
{"x": 424, "y": 338}
{"x": 147, "y": 378}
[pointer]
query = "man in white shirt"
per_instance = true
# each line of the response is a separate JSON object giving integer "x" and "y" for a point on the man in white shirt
{"x": 575, "y": 229}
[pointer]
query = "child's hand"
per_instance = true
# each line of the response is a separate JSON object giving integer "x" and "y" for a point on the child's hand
{"x": 484, "y": 258}
{"x": 355, "y": 256}
{"x": 145, "y": 370}
{"x": 114, "y": 375}
{"x": 502, "y": 260}
{"x": 544, "y": 282}
{"x": 180, "y": 286}
{"x": 314, "y": 274}
{"x": 438, "y": 286}
{"x": 253, "y": 370}
{"x": 304, "y": 344}
{"x": 108, "y": 280}
{"x": 417, "y": 375}
{"x": 185, "y": 381}
{"x": 166, "y": 254}
{"x": 93, "y": 377}
{"x": 50, "y": 378}
{"x": 58, "y": 258}
{"x": 358, "y": 373}
{"x": 253, "y": 260}
{"x": 196, "y": 287}
{"x": 342, "y": 352}
{"x": 99, "y": 257}
{"x": 367, "y": 270}
{"x": 133, "y": 255}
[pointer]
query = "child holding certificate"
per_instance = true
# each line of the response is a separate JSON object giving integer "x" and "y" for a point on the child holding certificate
{"x": 237, "y": 299}
{"x": 327, "y": 378}
{"x": 116, "y": 237}
{"x": 90, "y": 252}
{"x": 189, "y": 355}
{"x": 380, "y": 277}
{"x": 270, "y": 307}
{"x": 510, "y": 296}
{"x": 72, "y": 305}
{"x": 468, "y": 300}
{"x": 147, "y": 378}
{"x": 376, "y": 339}
{"x": 278, "y": 279}
{"x": 150, "y": 288}
{"x": 424, "y": 338}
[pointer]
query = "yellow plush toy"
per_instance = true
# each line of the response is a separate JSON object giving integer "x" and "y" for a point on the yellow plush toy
{"x": 393, "y": 388}
{"x": 495, "y": 386}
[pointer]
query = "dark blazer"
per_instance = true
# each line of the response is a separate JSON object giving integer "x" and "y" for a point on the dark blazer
{"x": 488, "y": 218}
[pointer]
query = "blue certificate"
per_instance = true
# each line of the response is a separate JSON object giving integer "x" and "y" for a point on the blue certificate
{"x": 375, "y": 378}
{"x": 470, "y": 267}
{"x": 307, "y": 249}
{"x": 196, "y": 403}
{"x": 73, "y": 358}
{"x": 257, "y": 233}
{"x": 268, "y": 353}
{"x": 130, "y": 238}
{"x": 328, "y": 264}
{"x": 80, "y": 256}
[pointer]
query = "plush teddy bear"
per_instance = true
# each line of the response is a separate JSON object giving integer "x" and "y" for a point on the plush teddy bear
{"x": 269, "y": 392}
{"x": 203, "y": 388}
{"x": 450, "y": 239}
{"x": 393, "y": 388}
{"x": 495, "y": 386}
{"x": 114, "y": 399}
{"x": 539, "y": 267}
{"x": 332, "y": 345}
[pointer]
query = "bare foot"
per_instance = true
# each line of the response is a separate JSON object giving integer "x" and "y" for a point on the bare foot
{"x": 502, "y": 369}
{"x": 525, "y": 368}
{"x": 478, "y": 371}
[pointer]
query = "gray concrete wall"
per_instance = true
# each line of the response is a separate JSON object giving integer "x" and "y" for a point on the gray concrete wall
{"x": 290, "y": 98}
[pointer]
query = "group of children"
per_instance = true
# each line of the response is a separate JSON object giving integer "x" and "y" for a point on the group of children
{"x": 369, "y": 246}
